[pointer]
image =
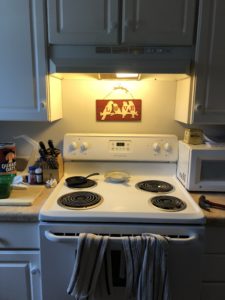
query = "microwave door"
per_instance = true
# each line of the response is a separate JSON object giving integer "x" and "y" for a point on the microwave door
{"x": 207, "y": 172}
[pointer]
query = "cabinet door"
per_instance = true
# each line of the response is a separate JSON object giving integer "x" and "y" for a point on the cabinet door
{"x": 22, "y": 60}
{"x": 158, "y": 22}
{"x": 83, "y": 22}
{"x": 209, "y": 97}
{"x": 213, "y": 273}
{"x": 20, "y": 275}
{"x": 212, "y": 291}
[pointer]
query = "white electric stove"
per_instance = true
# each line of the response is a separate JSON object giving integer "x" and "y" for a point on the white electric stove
{"x": 147, "y": 159}
{"x": 119, "y": 209}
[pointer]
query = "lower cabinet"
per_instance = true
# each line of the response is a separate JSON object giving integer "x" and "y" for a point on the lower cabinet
{"x": 20, "y": 275}
{"x": 213, "y": 275}
{"x": 213, "y": 291}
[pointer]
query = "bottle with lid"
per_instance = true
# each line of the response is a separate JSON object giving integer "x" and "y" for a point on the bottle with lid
{"x": 31, "y": 175}
{"x": 39, "y": 175}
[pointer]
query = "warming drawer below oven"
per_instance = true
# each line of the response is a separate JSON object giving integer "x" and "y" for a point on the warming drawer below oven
{"x": 59, "y": 241}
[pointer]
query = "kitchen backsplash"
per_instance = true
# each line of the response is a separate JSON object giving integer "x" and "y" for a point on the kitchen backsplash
{"x": 79, "y": 95}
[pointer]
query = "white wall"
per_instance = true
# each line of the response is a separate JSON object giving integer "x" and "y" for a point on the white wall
{"x": 79, "y": 95}
{"x": 158, "y": 102}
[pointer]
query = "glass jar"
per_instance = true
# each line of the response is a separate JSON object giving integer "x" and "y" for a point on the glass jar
{"x": 31, "y": 175}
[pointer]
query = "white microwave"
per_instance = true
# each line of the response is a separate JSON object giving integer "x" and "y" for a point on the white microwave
{"x": 201, "y": 167}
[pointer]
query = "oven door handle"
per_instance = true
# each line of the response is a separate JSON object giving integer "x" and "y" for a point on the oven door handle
{"x": 69, "y": 238}
{"x": 182, "y": 239}
{"x": 57, "y": 239}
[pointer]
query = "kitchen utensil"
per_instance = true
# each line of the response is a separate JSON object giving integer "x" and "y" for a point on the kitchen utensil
{"x": 206, "y": 204}
{"x": 49, "y": 155}
{"x": 42, "y": 146}
{"x": 76, "y": 180}
{"x": 5, "y": 185}
{"x": 117, "y": 176}
{"x": 42, "y": 154}
{"x": 52, "y": 162}
{"x": 54, "y": 151}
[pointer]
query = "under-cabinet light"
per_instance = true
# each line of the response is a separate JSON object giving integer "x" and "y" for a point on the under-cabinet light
{"x": 119, "y": 76}
{"x": 127, "y": 75}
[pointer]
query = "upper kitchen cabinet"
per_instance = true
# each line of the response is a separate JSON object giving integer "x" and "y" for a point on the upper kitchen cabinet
{"x": 158, "y": 22}
{"x": 201, "y": 98}
{"x": 26, "y": 92}
{"x": 82, "y": 22}
{"x": 115, "y": 22}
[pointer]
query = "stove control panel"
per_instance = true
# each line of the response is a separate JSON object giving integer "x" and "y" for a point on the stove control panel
{"x": 126, "y": 147}
{"x": 120, "y": 146}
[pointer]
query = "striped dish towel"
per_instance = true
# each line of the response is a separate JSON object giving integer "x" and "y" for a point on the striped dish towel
{"x": 89, "y": 260}
{"x": 146, "y": 267}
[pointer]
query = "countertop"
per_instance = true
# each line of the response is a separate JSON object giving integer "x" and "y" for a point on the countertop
{"x": 24, "y": 213}
{"x": 215, "y": 217}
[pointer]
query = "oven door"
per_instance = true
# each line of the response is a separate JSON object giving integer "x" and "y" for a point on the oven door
{"x": 58, "y": 248}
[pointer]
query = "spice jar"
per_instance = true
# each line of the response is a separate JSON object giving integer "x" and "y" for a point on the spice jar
{"x": 31, "y": 175}
{"x": 39, "y": 175}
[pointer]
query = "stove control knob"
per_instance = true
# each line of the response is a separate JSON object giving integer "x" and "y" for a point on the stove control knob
{"x": 83, "y": 146}
{"x": 156, "y": 147}
{"x": 167, "y": 147}
{"x": 73, "y": 146}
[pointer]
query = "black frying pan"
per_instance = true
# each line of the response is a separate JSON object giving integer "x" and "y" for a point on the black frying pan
{"x": 77, "y": 180}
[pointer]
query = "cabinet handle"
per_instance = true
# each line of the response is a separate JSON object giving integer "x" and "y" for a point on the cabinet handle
{"x": 43, "y": 104}
{"x": 132, "y": 25}
{"x": 112, "y": 27}
{"x": 198, "y": 107}
{"x": 35, "y": 271}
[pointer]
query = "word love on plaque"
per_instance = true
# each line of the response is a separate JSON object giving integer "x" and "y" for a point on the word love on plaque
{"x": 118, "y": 110}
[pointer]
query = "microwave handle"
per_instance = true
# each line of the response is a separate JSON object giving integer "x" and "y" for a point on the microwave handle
{"x": 74, "y": 238}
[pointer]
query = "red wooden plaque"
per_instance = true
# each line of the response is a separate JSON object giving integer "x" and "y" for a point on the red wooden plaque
{"x": 118, "y": 110}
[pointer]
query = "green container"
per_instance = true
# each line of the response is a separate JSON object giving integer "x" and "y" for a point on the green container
{"x": 5, "y": 185}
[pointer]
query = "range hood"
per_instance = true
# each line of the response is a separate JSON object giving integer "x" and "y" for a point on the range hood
{"x": 112, "y": 59}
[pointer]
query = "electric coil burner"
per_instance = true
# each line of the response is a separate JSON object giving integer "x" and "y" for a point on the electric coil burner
{"x": 80, "y": 200}
{"x": 156, "y": 186}
{"x": 168, "y": 203}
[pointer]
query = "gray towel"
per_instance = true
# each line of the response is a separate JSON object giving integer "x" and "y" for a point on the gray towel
{"x": 147, "y": 275}
{"x": 89, "y": 259}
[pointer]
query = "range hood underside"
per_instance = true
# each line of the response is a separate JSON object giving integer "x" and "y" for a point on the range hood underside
{"x": 91, "y": 59}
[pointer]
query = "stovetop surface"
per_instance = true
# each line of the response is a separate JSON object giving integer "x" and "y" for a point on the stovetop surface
{"x": 123, "y": 202}
{"x": 143, "y": 157}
